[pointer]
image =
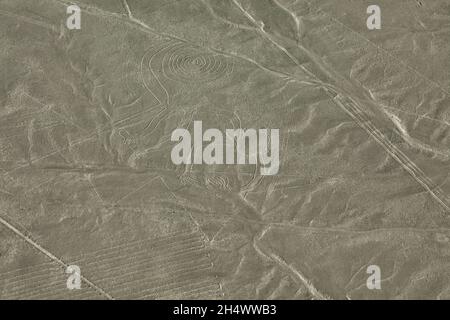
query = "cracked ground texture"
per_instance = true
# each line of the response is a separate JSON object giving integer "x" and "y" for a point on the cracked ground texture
{"x": 86, "y": 176}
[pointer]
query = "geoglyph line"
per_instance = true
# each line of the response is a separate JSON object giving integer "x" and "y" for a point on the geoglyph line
{"x": 51, "y": 256}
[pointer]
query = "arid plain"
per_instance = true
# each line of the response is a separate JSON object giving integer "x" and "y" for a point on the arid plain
{"x": 86, "y": 176}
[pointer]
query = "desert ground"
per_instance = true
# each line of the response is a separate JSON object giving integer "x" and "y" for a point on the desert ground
{"x": 86, "y": 177}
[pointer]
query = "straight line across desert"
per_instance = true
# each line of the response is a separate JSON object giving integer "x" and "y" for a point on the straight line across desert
{"x": 224, "y": 150}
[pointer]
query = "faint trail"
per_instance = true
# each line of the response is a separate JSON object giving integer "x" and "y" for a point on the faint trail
{"x": 264, "y": 34}
{"x": 392, "y": 56}
{"x": 30, "y": 20}
{"x": 182, "y": 253}
{"x": 418, "y": 115}
{"x": 170, "y": 265}
{"x": 351, "y": 108}
{"x": 198, "y": 294}
{"x": 361, "y": 118}
{"x": 332, "y": 230}
{"x": 355, "y": 113}
{"x": 144, "y": 82}
{"x": 51, "y": 256}
{"x": 141, "y": 26}
{"x": 6, "y": 274}
{"x": 156, "y": 77}
{"x": 127, "y": 281}
{"x": 93, "y": 135}
{"x": 136, "y": 190}
{"x": 135, "y": 118}
{"x": 163, "y": 113}
{"x": 294, "y": 17}
{"x": 94, "y": 188}
{"x": 48, "y": 107}
{"x": 417, "y": 72}
{"x": 127, "y": 8}
{"x": 308, "y": 284}
{"x": 215, "y": 15}
{"x": 118, "y": 247}
{"x": 197, "y": 225}
{"x": 56, "y": 294}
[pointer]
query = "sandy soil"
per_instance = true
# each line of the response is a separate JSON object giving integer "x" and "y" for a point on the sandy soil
{"x": 86, "y": 176}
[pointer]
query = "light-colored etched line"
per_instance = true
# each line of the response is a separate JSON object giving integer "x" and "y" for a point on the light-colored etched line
{"x": 127, "y": 276}
{"x": 293, "y": 16}
{"x": 158, "y": 118}
{"x": 127, "y": 8}
{"x": 418, "y": 115}
{"x": 156, "y": 282}
{"x": 175, "y": 273}
{"x": 203, "y": 293}
{"x": 93, "y": 135}
{"x": 47, "y": 106}
{"x": 122, "y": 260}
{"x": 159, "y": 252}
{"x": 182, "y": 236}
{"x": 140, "y": 116}
{"x": 25, "y": 279}
{"x": 104, "y": 263}
{"x": 173, "y": 284}
{"x": 392, "y": 150}
{"x": 91, "y": 183}
{"x": 436, "y": 84}
{"x": 308, "y": 284}
{"x": 5, "y": 275}
{"x": 136, "y": 190}
{"x": 264, "y": 34}
{"x": 195, "y": 291}
{"x": 181, "y": 257}
{"x": 50, "y": 255}
{"x": 141, "y": 26}
{"x": 57, "y": 293}
{"x": 403, "y": 160}
{"x": 141, "y": 73}
{"x": 29, "y": 20}
{"x": 229, "y": 23}
{"x": 162, "y": 68}
{"x": 38, "y": 185}
{"x": 49, "y": 155}
{"x": 129, "y": 245}
{"x": 31, "y": 288}
{"x": 169, "y": 287}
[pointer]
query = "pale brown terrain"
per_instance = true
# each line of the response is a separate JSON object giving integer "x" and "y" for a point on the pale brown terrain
{"x": 86, "y": 176}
